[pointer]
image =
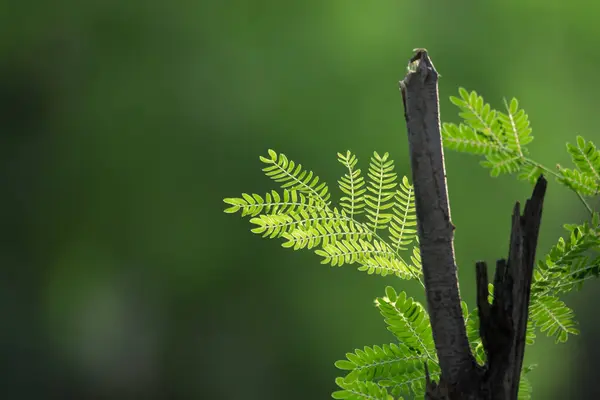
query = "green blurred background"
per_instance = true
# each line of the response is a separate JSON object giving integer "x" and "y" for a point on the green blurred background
{"x": 125, "y": 123}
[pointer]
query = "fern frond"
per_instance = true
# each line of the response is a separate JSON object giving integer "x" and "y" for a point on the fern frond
{"x": 308, "y": 224}
{"x": 516, "y": 128}
{"x": 374, "y": 257}
{"x": 404, "y": 219}
{"x": 276, "y": 225}
{"x": 327, "y": 231}
{"x": 500, "y": 137}
{"x": 581, "y": 182}
{"x": 271, "y": 225}
{"x": 551, "y": 315}
{"x": 301, "y": 215}
{"x": 416, "y": 258}
{"x": 382, "y": 265}
{"x": 586, "y": 157}
{"x": 466, "y": 139}
{"x": 503, "y": 163}
{"x": 294, "y": 177}
{"x": 411, "y": 382}
{"x": 351, "y": 251}
{"x": 352, "y": 184}
{"x": 524, "y": 388}
{"x": 581, "y": 270}
{"x": 564, "y": 252}
{"x": 530, "y": 333}
{"x": 478, "y": 114}
{"x": 408, "y": 321}
{"x": 271, "y": 203}
{"x": 464, "y": 308}
{"x": 472, "y": 327}
{"x": 382, "y": 181}
{"x": 530, "y": 173}
{"x": 358, "y": 390}
{"x": 376, "y": 363}
{"x": 566, "y": 265}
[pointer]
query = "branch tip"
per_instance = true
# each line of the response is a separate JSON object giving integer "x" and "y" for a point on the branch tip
{"x": 420, "y": 63}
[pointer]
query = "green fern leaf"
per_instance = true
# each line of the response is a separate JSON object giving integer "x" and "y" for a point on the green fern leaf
{"x": 524, "y": 385}
{"x": 503, "y": 163}
{"x": 352, "y": 184}
{"x": 472, "y": 326}
{"x": 301, "y": 221}
{"x": 350, "y": 252}
{"x": 530, "y": 173}
{"x": 524, "y": 388}
{"x": 478, "y": 114}
{"x": 271, "y": 226}
{"x": 343, "y": 252}
{"x": 301, "y": 215}
{"x": 271, "y": 203}
{"x": 408, "y": 321}
{"x": 586, "y": 157}
{"x": 515, "y": 124}
{"x": 464, "y": 308}
{"x": 500, "y": 137}
{"x": 374, "y": 257}
{"x": 382, "y": 181}
{"x": 294, "y": 177}
{"x": 411, "y": 382}
{"x": 384, "y": 265}
{"x": 530, "y": 333}
{"x": 581, "y": 270}
{"x": 581, "y": 182}
{"x": 358, "y": 390}
{"x": 324, "y": 231}
{"x": 376, "y": 363}
{"x": 276, "y": 225}
{"x": 567, "y": 266}
{"x": 404, "y": 220}
{"x": 551, "y": 315}
{"x": 416, "y": 258}
{"x": 466, "y": 139}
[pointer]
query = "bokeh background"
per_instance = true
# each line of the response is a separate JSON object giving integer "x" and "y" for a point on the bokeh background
{"x": 123, "y": 125}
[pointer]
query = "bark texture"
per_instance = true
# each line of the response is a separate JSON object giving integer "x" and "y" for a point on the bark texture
{"x": 503, "y": 323}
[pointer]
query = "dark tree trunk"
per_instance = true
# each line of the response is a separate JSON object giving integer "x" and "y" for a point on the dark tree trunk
{"x": 504, "y": 322}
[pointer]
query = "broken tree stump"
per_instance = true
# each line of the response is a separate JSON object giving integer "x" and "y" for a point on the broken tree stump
{"x": 503, "y": 323}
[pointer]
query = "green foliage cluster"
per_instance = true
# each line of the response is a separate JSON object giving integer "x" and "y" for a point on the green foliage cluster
{"x": 374, "y": 227}
{"x": 502, "y": 137}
